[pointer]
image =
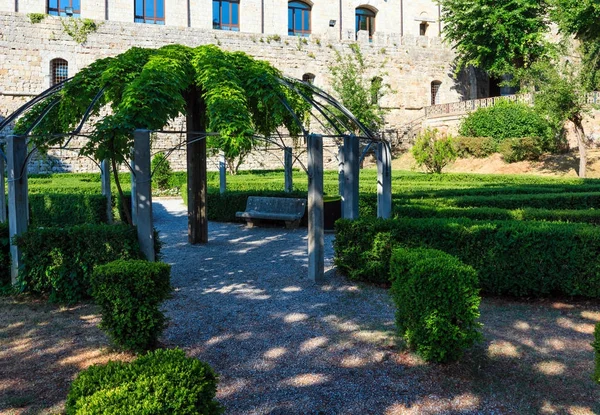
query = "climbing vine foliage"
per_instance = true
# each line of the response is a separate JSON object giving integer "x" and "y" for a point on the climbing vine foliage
{"x": 148, "y": 88}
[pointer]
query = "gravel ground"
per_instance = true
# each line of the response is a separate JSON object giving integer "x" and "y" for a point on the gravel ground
{"x": 282, "y": 345}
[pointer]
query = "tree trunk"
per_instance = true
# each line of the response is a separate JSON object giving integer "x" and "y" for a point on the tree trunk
{"x": 580, "y": 133}
{"x": 196, "y": 168}
{"x": 126, "y": 206}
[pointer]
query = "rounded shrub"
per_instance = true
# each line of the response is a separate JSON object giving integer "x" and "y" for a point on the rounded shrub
{"x": 437, "y": 302}
{"x": 161, "y": 172}
{"x": 130, "y": 294}
{"x": 160, "y": 382}
{"x": 433, "y": 152}
{"x": 519, "y": 149}
{"x": 508, "y": 119}
{"x": 478, "y": 147}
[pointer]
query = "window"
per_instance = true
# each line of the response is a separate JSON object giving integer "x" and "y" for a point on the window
{"x": 226, "y": 15}
{"x": 376, "y": 84}
{"x": 308, "y": 78}
{"x": 149, "y": 11}
{"x": 59, "y": 71}
{"x": 435, "y": 92}
{"x": 298, "y": 19}
{"x": 423, "y": 29}
{"x": 64, "y": 8}
{"x": 365, "y": 20}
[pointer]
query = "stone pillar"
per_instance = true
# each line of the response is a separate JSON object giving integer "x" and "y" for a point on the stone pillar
{"x": 133, "y": 190}
{"x": 384, "y": 181}
{"x": 3, "y": 217}
{"x": 351, "y": 176}
{"x": 316, "y": 235}
{"x": 106, "y": 191}
{"x": 222, "y": 173}
{"x": 287, "y": 166}
{"x": 18, "y": 203}
{"x": 341, "y": 180}
{"x": 143, "y": 195}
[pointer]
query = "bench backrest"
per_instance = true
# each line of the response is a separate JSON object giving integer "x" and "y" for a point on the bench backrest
{"x": 276, "y": 205}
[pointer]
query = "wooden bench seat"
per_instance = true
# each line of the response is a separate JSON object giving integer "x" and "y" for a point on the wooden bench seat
{"x": 288, "y": 210}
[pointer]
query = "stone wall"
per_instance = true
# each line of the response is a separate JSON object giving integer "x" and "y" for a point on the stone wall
{"x": 411, "y": 63}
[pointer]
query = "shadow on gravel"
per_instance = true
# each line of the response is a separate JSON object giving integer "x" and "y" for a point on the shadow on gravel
{"x": 285, "y": 346}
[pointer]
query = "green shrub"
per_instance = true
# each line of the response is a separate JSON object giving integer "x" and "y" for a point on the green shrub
{"x": 437, "y": 302}
{"x": 160, "y": 382}
{"x": 519, "y": 149}
{"x": 507, "y": 119}
{"x": 596, "y": 346}
{"x": 5, "y": 281}
{"x": 478, "y": 147}
{"x": 161, "y": 172}
{"x": 56, "y": 209}
{"x": 60, "y": 261}
{"x": 512, "y": 257}
{"x": 433, "y": 152}
{"x": 130, "y": 294}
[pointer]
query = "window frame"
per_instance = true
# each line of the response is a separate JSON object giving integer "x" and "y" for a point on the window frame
{"x": 228, "y": 26}
{"x": 58, "y": 11}
{"x": 370, "y": 17}
{"x": 435, "y": 92}
{"x": 55, "y": 65}
{"x": 307, "y": 8}
{"x": 143, "y": 18}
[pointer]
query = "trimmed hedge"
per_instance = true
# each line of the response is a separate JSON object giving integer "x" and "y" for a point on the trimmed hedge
{"x": 60, "y": 261}
{"x": 437, "y": 302}
{"x": 512, "y": 258}
{"x": 489, "y": 213}
{"x": 596, "y": 346}
{"x": 58, "y": 209}
{"x": 161, "y": 382}
{"x": 130, "y": 294}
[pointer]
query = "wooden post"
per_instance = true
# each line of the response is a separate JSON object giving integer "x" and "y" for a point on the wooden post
{"x": 384, "y": 181}
{"x": 106, "y": 190}
{"x": 196, "y": 169}
{"x": 351, "y": 177}
{"x": 316, "y": 235}
{"x": 287, "y": 165}
{"x": 18, "y": 203}
{"x": 341, "y": 181}
{"x": 3, "y": 217}
{"x": 222, "y": 173}
{"x": 143, "y": 194}
{"x": 133, "y": 189}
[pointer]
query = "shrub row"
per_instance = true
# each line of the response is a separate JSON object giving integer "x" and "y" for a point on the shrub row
{"x": 67, "y": 209}
{"x": 60, "y": 261}
{"x": 130, "y": 294}
{"x": 490, "y": 213}
{"x": 512, "y": 258}
{"x": 437, "y": 302}
{"x": 493, "y": 190}
{"x": 161, "y": 382}
{"x": 585, "y": 200}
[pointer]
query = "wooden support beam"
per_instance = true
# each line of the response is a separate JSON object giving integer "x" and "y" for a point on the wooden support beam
{"x": 351, "y": 177}
{"x": 133, "y": 190}
{"x": 341, "y": 180}
{"x": 287, "y": 165}
{"x": 143, "y": 194}
{"x": 3, "y": 212}
{"x": 106, "y": 190}
{"x": 384, "y": 181}
{"x": 222, "y": 173}
{"x": 316, "y": 234}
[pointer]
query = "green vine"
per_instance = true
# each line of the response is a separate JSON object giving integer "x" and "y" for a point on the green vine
{"x": 79, "y": 30}
{"x": 36, "y": 17}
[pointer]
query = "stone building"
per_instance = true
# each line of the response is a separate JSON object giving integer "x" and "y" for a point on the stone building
{"x": 44, "y": 41}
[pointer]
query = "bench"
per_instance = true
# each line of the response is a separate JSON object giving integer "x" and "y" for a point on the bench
{"x": 283, "y": 209}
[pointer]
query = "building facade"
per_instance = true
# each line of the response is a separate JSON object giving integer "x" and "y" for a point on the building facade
{"x": 45, "y": 41}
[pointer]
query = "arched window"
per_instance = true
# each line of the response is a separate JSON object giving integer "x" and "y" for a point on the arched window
{"x": 226, "y": 15}
{"x": 298, "y": 19}
{"x": 71, "y": 8}
{"x": 435, "y": 92}
{"x": 376, "y": 84}
{"x": 423, "y": 28}
{"x": 149, "y": 11}
{"x": 308, "y": 78}
{"x": 365, "y": 20}
{"x": 59, "y": 71}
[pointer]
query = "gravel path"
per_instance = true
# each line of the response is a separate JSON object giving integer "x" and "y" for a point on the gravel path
{"x": 281, "y": 344}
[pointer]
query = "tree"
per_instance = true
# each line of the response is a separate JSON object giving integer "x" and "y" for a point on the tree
{"x": 433, "y": 152}
{"x": 222, "y": 92}
{"x": 359, "y": 87}
{"x": 495, "y": 36}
